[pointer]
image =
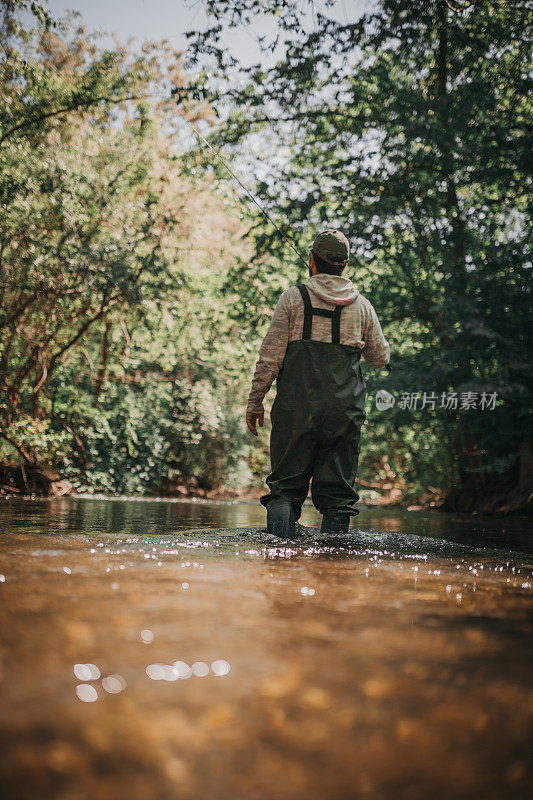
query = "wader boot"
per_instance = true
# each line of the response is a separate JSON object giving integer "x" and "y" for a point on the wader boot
{"x": 316, "y": 423}
{"x": 281, "y": 519}
{"x": 335, "y": 524}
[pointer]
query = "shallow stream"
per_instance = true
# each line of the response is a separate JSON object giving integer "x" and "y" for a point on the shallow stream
{"x": 159, "y": 649}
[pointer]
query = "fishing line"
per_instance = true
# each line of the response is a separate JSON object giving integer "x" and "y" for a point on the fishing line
{"x": 248, "y": 192}
{"x": 250, "y": 195}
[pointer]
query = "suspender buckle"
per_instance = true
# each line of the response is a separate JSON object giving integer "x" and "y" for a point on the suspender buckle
{"x": 310, "y": 311}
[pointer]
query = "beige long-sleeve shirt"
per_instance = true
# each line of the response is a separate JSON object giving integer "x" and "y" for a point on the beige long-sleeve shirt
{"x": 359, "y": 327}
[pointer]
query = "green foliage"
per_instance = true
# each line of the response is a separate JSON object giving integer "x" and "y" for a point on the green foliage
{"x": 116, "y": 359}
{"x": 142, "y": 437}
{"x": 135, "y": 286}
{"x": 407, "y": 129}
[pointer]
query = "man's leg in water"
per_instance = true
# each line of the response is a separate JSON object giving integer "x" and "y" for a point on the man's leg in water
{"x": 335, "y": 469}
{"x": 292, "y": 454}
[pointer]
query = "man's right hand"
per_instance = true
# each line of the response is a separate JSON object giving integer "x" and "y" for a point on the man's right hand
{"x": 252, "y": 418}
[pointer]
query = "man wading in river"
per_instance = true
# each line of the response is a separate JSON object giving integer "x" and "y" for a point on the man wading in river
{"x": 319, "y": 331}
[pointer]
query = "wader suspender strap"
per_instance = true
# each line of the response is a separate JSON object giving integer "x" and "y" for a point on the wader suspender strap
{"x": 310, "y": 310}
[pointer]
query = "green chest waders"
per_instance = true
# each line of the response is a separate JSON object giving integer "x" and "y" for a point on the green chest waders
{"x": 316, "y": 420}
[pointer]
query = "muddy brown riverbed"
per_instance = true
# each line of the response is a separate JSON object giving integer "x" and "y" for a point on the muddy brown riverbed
{"x": 174, "y": 651}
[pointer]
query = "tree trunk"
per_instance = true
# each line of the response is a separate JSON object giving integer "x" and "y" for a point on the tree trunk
{"x": 104, "y": 353}
{"x": 452, "y": 204}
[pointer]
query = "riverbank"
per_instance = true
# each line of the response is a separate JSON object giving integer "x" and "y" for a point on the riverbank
{"x": 490, "y": 498}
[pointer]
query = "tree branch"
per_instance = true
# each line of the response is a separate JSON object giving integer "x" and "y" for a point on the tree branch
{"x": 82, "y": 104}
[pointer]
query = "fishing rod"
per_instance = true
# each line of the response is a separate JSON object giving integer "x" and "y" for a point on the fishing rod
{"x": 254, "y": 200}
{"x": 248, "y": 192}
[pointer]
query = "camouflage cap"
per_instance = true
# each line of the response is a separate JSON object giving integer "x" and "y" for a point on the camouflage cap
{"x": 332, "y": 246}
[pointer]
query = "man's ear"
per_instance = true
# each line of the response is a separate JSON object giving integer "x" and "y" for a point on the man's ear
{"x": 312, "y": 265}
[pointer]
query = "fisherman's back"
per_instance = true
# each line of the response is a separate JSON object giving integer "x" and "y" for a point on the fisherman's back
{"x": 359, "y": 327}
{"x": 358, "y": 317}
{"x": 317, "y": 336}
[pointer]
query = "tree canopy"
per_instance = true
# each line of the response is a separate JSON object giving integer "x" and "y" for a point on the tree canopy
{"x": 113, "y": 364}
{"x": 137, "y": 281}
{"x": 409, "y": 130}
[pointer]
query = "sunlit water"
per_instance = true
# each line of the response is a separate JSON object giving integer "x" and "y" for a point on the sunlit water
{"x": 173, "y": 650}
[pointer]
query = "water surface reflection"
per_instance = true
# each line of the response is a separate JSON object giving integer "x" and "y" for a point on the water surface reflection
{"x": 174, "y": 650}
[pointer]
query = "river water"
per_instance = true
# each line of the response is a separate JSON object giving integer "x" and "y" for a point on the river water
{"x": 172, "y": 650}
